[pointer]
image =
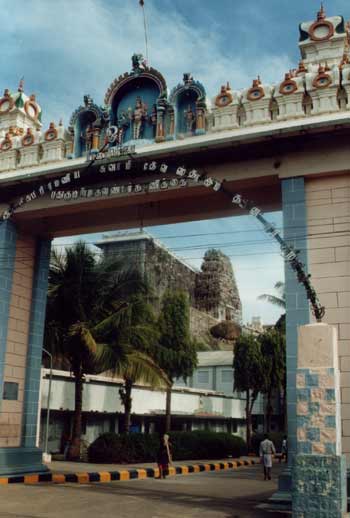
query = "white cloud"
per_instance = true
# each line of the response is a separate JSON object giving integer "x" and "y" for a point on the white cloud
{"x": 66, "y": 49}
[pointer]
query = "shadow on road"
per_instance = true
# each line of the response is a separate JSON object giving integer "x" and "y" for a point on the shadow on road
{"x": 213, "y": 491}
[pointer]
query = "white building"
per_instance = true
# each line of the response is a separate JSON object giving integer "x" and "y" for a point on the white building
{"x": 206, "y": 402}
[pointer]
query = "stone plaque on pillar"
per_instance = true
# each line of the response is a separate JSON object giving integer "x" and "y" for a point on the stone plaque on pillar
{"x": 319, "y": 470}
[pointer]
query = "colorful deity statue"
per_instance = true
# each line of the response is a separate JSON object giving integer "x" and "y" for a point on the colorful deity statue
{"x": 88, "y": 101}
{"x": 87, "y": 136}
{"x": 123, "y": 123}
{"x": 138, "y": 116}
{"x": 190, "y": 118}
{"x": 138, "y": 62}
{"x": 153, "y": 118}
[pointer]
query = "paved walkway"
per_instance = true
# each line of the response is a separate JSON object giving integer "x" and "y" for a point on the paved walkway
{"x": 231, "y": 493}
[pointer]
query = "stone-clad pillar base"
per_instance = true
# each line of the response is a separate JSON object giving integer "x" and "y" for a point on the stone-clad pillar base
{"x": 319, "y": 486}
{"x": 282, "y": 499}
{"x": 319, "y": 468}
{"x": 21, "y": 461}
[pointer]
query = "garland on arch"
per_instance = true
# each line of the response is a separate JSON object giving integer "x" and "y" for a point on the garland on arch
{"x": 181, "y": 177}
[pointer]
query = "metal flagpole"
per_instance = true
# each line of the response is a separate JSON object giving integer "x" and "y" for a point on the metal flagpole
{"x": 142, "y": 4}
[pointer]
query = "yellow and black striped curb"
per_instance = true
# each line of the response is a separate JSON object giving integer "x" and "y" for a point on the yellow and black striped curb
{"x": 128, "y": 474}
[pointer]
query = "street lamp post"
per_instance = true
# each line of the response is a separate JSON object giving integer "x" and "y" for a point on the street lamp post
{"x": 48, "y": 403}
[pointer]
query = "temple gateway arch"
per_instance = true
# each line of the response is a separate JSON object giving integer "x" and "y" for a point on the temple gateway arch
{"x": 149, "y": 157}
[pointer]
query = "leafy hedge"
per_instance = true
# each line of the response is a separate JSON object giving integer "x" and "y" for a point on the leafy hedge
{"x": 206, "y": 445}
{"x": 275, "y": 437}
{"x": 137, "y": 447}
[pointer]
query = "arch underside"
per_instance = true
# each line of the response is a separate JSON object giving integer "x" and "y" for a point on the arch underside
{"x": 254, "y": 170}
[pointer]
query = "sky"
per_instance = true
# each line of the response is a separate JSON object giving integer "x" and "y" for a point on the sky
{"x": 65, "y": 49}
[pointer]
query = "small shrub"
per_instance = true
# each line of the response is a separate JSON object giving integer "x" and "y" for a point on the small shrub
{"x": 136, "y": 447}
{"x": 226, "y": 330}
{"x": 206, "y": 445}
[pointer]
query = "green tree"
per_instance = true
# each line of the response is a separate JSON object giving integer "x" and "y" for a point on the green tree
{"x": 279, "y": 300}
{"x": 280, "y": 328}
{"x": 273, "y": 350}
{"x": 83, "y": 291}
{"x": 129, "y": 340}
{"x": 248, "y": 375}
{"x": 176, "y": 353}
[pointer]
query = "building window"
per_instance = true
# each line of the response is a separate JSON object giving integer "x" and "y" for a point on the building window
{"x": 227, "y": 376}
{"x": 203, "y": 376}
{"x": 10, "y": 391}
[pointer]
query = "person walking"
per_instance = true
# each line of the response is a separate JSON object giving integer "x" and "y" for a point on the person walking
{"x": 266, "y": 450}
{"x": 164, "y": 456}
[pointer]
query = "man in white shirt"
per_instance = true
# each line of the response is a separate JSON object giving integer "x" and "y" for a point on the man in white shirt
{"x": 266, "y": 450}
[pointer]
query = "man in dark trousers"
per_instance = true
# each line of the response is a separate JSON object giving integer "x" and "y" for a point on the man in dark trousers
{"x": 164, "y": 456}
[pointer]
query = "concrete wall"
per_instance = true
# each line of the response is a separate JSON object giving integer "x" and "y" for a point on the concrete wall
{"x": 102, "y": 396}
{"x": 163, "y": 270}
{"x": 17, "y": 340}
{"x": 218, "y": 381}
{"x": 328, "y": 217}
{"x": 200, "y": 324}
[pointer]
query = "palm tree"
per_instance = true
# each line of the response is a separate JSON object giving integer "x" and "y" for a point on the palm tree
{"x": 280, "y": 327}
{"x": 273, "y": 350}
{"x": 83, "y": 291}
{"x": 128, "y": 340}
{"x": 279, "y": 300}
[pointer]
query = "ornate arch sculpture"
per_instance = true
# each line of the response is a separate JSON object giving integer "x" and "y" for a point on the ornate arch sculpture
{"x": 189, "y": 119}
{"x": 86, "y": 125}
{"x": 137, "y": 103}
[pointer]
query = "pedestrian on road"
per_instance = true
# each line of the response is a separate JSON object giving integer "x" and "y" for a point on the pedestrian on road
{"x": 266, "y": 450}
{"x": 164, "y": 456}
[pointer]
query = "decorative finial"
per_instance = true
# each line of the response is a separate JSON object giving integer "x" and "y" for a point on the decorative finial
{"x": 256, "y": 82}
{"x": 301, "y": 68}
{"x": 187, "y": 78}
{"x": 88, "y": 101}
{"x": 21, "y": 85}
{"x": 139, "y": 63}
{"x": 61, "y": 122}
{"x": 321, "y": 15}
